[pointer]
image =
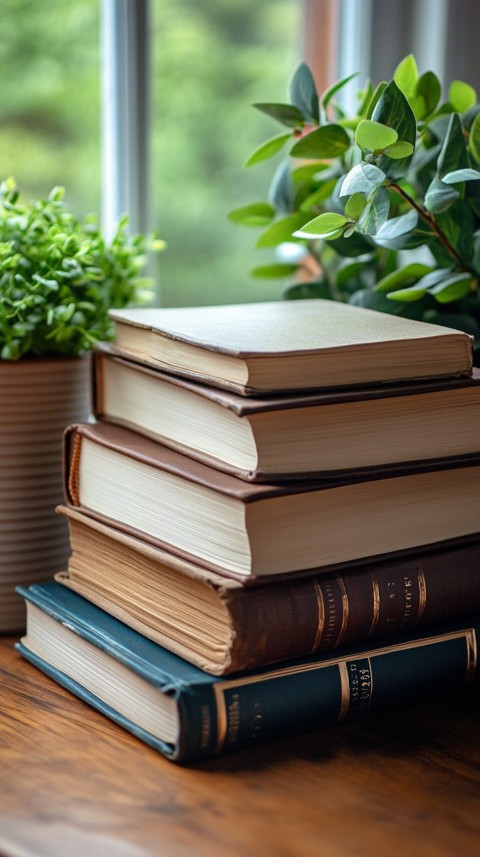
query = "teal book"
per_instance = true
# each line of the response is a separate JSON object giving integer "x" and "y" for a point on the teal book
{"x": 188, "y": 714}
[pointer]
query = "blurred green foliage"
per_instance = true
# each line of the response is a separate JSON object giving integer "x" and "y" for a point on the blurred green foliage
{"x": 210, "y": 61}
{"x": 50, "y": 100}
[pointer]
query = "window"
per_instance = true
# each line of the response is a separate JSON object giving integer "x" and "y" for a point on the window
{"x": 200, "y": 66}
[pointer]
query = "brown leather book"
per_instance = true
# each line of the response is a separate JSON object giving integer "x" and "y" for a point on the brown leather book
{"x": 290, "y": 437}
{"x": 223, "y": 625}
{"x": 290, "y": 345}
{"x": 244, "y": 529}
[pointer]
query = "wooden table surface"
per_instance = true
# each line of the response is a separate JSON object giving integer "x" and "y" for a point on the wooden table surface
{"x": 72, "y": 784}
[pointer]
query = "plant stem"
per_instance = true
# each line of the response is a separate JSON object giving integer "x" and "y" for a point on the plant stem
{"x": 430, "y": 221}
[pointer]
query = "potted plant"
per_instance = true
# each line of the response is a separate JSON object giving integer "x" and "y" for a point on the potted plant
{"x": 380, "y": 208}
{"x": 58, "y": 278}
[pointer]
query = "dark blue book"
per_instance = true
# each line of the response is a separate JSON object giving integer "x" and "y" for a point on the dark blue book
{"x": 188, "y": 714}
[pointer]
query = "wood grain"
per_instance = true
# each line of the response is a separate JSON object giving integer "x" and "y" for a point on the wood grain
{"x": 73, "y": 784}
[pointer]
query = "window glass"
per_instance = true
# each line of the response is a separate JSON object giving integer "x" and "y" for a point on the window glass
{"x": 50, "y": 100}
{"x": 211, "y": 61}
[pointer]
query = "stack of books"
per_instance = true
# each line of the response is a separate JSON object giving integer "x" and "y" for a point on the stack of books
{"x": 273, "y": 521}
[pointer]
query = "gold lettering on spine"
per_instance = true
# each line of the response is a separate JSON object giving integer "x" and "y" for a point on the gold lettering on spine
{"x": 471, "y": 641}
{"x": 344, "y": 690}
{"x": 422, "y": 592}
{"x": 222, "y": 686}
{"x": 321, "y": 615}
{"x": 221, "y": 713}
{"x": 345, "y": 610}
{"x": 375, "y": 604}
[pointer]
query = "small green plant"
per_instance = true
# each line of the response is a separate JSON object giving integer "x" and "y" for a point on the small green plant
{"x": 59, "y": 277}
{"x": 380, "y": 208}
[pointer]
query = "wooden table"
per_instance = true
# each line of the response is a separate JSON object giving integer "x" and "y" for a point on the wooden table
{"x": 72, "y": 784}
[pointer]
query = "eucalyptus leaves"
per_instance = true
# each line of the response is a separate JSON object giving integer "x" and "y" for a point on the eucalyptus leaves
{"x": 59, "y": 277}
{"x": 383, "y": 206}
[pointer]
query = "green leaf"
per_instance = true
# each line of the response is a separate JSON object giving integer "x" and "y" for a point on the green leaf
{"x": 429, "y": 91}
{"x": 374, "y": 136}
{"x": 371, "y": 299}
{"x": 280, "y": 230}
{"x": 357, "y": 245}
{"x": 287, "y": 114}
{"x": 469, "y": 117}
{"x": 472, "y": 196}
{"x": 457, "y": 224}
{"x": 363, "y": 178}
{"x": 366, "y": 96}
{"x": 320, "y": 195}
{"x": 332, "y": 90}
{"x": 322, "y": 226}
{"x": 355, "y": 205}
{"x": 309, "y": 172}
{"x": 56, "y": 194}
{"x": 440, "y": 196}
{"x": 329, "y": 141}
{"x": 474, "y": 138}
{"x": 402, "y": 277}
{"x": 303, "y": 93}
{"x": 476, "y": 252}
{"x": 406, "y": 76}
{"x": 399, "y": 150}
{"x": 255, "y": 214}
{"x": 376, "y": 212}
{"x": 424, "y": 158}
{"x": 397, "y": 227}
{"x": 349, "y": 275}
{"x": 466, "y": 175}
{"x": 281, "y": 194}
{"x": 453, "y": 288}
{"x": 273, "y": 271}
{"x": 414, "y": 293}
{"x": 380, "y": 89}
{"x": 394, "y": 110}
{"x": 461, "y": 96}
{"x": 436, "y": 276}
{"x": 268, "y": 149}
{"x": 418, "y": 105}
{"x": 10, "y": 351}
{"x": 453, "y": 154}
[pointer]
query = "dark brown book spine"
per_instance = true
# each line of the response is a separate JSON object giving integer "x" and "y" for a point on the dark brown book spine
{"x": 273, "y": 623}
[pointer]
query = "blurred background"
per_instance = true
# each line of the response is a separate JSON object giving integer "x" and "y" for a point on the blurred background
{"x": 145, "y": 106}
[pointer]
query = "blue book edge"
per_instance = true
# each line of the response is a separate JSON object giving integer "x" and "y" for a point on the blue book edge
{"x": 274, "y": 701}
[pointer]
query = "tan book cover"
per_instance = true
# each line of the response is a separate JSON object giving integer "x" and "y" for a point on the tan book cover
{"x": 290, "y": 345}
{"x": 223, "y": 625}
{"x": 303, "y": 436}
{"x": 233, "y": 526}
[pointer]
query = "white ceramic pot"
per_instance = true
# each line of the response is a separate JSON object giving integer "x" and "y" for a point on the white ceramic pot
{"x": 38, "y": 398}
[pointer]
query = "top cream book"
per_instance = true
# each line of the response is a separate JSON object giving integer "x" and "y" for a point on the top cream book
{"x": 290, "y": 346}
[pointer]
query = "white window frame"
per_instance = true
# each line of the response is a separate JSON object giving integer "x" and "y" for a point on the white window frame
{"x": 126, "y": 86}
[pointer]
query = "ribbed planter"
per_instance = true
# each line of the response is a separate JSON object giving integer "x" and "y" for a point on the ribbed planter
{"x": 39, "y": 398}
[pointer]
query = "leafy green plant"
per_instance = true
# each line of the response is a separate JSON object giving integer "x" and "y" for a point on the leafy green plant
{"x": 59, "y": 277}
{"x": 380, "y": 208}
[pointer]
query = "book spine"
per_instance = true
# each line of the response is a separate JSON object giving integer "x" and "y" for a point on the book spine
{"x": 250, "y": 709}
{"x": 299, "y": 617}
